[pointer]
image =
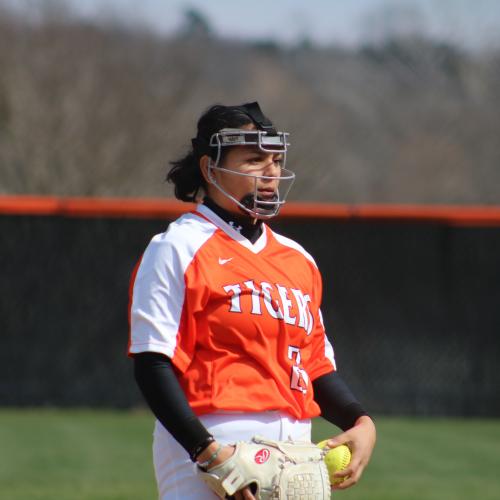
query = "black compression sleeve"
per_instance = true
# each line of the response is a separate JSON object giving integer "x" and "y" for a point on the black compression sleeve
{"x": 156, "y": 378}
{"x": 337, "y": 402}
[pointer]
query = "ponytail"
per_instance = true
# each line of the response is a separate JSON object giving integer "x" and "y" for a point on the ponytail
{"x": 185, "y": 173}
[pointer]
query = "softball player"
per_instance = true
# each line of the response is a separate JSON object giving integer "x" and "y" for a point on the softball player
{"x": 226, "y": 329}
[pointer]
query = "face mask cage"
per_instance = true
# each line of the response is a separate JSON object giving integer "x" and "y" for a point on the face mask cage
{"x": 267, "y": 142}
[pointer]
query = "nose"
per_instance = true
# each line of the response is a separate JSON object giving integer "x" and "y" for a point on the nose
{"x": 271, "y": 168}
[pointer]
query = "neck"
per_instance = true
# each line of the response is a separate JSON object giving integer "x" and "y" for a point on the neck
{"x": 249, "y": 227}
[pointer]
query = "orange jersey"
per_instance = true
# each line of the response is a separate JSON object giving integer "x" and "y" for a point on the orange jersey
{"x": 241, "y": 322}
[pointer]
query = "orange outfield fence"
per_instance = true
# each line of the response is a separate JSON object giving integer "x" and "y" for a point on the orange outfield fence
{"x": 467, "y": 215}
{"x": 410, "y": 298}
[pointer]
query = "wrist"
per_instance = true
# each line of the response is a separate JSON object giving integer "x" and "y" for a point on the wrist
{"x": 367, "y": 426}
{"x": 209, "y": 455}
{"x": 221, "y": 452}
{"x": 201, "y": 447}
{"x": 205, "y": 454}
{"x": 364, "y": 419}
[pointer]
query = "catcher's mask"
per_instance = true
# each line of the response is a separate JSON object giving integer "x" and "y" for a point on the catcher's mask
{"x": 267, "y": 139}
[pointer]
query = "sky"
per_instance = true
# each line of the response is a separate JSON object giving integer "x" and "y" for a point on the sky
{"x": 470, "y": 23}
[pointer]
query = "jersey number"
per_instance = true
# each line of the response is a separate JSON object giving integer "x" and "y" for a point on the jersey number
{"x": 299, "y": 380}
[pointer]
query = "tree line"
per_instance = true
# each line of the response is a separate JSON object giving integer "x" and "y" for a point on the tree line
{"x": 100, "y": 110}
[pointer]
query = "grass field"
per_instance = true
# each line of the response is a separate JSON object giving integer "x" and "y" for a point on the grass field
{"x": 105, "y": 455}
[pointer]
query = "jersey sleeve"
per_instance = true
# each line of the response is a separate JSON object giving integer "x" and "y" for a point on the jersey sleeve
{"x": 322, "y": 358}
{"x": 157, "y": 303}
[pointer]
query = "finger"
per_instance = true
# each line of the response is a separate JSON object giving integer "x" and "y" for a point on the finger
{"x": 346, "y": 483}
{"x": 343, "y": 473}
{"x": 337, "y": 441}
{"x": 351, "y": 481}
{"x": 343, "y": 438}
{"x": 353, "y": 478}
{"x": 351, "y": 470}
{"x": 341, "y": 476}
{"x": 246, "y": 494}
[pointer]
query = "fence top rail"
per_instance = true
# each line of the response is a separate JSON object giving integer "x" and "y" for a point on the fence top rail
{"x": 486, "y": 215}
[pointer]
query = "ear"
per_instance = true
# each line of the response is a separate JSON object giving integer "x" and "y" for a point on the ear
{"x": 204, "y": 168}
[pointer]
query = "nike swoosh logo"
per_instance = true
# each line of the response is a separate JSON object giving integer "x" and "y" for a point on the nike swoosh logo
{"x": 224, "y": 261}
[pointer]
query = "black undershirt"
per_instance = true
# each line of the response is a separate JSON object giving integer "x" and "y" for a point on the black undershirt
{"x": 156, "y": 377}
{"x": 250, "y": 228}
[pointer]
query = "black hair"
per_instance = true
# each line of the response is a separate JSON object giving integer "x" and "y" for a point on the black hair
{"x": 185, "y": 173}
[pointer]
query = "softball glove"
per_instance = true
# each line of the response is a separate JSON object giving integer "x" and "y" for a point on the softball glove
{"x": 274, "y": 470}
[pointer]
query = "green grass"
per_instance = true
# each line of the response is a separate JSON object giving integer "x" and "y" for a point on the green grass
{"x": 75, "y": 455}
{"x": 106, "y": 455}
{"x": 429, "y": 459}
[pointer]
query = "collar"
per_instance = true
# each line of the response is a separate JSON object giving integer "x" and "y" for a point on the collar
{"x": 205, "y": 212}
{"x": 244, "y": 225}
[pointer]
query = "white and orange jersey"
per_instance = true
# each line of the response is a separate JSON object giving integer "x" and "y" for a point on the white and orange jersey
{"x": 241, "y": 322}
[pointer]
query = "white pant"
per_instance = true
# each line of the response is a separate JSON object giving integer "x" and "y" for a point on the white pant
{"x": 176, "y": 474}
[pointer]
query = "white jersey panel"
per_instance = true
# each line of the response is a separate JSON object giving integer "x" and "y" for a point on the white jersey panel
{"x": 293, "y": 244}
{"x": 159, "y": 287}
{"x": 329, "y": 352}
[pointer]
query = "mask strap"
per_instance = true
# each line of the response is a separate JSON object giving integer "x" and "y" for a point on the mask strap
{"x": 252, "y": 109}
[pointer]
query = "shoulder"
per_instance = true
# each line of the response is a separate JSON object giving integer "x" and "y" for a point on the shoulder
{"x": 182, "y": 239}
{"x": 293, "y": 246}
{"x": 188, "y": 230}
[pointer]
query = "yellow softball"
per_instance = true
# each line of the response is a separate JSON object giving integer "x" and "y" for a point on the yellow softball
{"x": 336, "y": 459}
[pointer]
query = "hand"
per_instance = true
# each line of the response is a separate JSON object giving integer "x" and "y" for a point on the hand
{"x": 361, "y": 440}
{"x": 226, "y": 451}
